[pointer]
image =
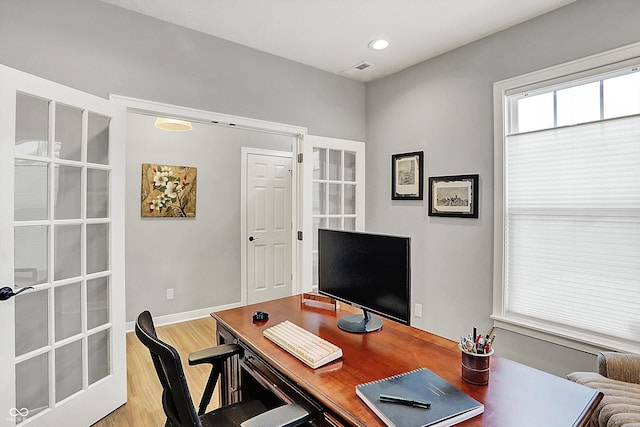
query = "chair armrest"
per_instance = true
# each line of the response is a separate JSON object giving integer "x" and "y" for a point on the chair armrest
{"x": 213, "y": 354}
{"x": 619, "y": 366}
{"x": 289, "y": 415}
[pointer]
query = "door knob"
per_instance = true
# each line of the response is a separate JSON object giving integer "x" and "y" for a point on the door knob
{"x": 6, "y": 292}
{"x": 251, "y": 238}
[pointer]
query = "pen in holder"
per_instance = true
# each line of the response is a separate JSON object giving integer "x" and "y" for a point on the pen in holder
{"x": 475, "y": 366}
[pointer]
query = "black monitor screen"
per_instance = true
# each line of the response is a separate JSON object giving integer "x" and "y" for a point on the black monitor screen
{"x": 370, "y": 271}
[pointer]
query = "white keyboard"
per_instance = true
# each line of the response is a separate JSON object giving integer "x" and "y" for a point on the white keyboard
{"x": 310, "y": 348}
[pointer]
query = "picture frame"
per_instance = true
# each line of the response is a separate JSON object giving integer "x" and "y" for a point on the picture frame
{"x": 454, "y": 196}
{"x": 168, "y": 191}
{"x": 407, "y": 176}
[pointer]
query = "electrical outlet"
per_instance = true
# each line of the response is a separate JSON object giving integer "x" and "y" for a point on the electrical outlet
{"x": 170, "y": 294}
{"x": 418, "y": 310}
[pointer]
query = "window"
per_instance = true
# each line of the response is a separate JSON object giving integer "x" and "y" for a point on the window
{"x": 568, "y": 204}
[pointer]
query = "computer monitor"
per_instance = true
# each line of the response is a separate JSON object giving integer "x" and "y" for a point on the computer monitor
{"x": 368, "y": 271}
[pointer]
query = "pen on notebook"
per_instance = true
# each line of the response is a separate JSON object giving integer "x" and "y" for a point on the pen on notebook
{"x": 404, "y": 401}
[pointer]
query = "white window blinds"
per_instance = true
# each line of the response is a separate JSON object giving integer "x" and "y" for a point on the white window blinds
{"x": 572, "y": 229}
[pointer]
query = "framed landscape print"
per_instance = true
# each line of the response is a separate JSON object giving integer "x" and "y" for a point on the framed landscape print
{"x": 455, "y": 196}
{"x": 406, "y": 176}
{"x": 168, "y": 191}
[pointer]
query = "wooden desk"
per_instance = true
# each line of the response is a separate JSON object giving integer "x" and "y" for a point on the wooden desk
{"x": 516, "y": 395}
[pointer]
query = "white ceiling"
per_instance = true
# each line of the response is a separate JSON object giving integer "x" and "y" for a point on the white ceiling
{"x": 333, "y": 35}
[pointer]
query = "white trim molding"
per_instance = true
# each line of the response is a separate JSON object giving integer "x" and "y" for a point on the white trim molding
{"x": 185, "y": 316}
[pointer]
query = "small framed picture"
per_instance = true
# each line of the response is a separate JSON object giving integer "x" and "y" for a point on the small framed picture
{"x": 406, "y": 176}
{"x": 454, "y": 196}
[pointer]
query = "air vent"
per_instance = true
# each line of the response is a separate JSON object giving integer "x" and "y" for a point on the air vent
{"x": 358, "y": 68}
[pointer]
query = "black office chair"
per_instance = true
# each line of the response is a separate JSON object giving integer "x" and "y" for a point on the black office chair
{"x": 176, "y": 398}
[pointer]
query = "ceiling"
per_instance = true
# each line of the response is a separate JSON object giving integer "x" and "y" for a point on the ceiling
{"x": 333, "y": 35}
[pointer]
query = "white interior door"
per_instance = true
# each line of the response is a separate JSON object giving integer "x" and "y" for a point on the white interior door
{"x": 62, "y": 234}
{"x": 334, "y": 176}
{"x": 268, "y": 230}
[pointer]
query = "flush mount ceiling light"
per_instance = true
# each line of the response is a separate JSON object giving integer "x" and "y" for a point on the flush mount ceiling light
{"x": 378, "y": 44}
{"x": 172, "y": 124}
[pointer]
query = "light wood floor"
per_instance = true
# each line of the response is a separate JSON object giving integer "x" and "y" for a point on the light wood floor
{"x": 144, "y": 406}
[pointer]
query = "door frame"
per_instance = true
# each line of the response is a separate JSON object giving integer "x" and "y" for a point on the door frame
{"x": 298, "y": 133}
{"x": 245, "y": 152}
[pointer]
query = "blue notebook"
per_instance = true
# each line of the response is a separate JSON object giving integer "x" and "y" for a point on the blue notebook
{"x": 449, "y": 405}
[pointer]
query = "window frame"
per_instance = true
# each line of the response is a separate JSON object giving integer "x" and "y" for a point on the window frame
{"x": 570, "y": 73}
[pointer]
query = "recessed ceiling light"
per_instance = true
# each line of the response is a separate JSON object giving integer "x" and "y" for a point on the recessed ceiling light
{"x": 379, "y": 44}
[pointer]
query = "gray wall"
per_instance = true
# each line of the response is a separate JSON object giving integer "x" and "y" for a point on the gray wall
{"x": 444, "y": 106}
{"x": 102, "y": 49}
{"x": 197, "y": 257}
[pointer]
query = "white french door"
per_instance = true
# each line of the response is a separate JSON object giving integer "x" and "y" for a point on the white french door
{"x": 62, "y": 241}
{"x": 335, "y": 178}
{"x": 267, "y": 247}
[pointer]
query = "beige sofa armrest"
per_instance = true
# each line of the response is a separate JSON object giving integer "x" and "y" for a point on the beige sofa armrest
{"x": 619, "y": 366}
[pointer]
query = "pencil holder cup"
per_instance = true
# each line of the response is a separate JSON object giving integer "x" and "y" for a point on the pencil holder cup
{"x": 475, "y": 367}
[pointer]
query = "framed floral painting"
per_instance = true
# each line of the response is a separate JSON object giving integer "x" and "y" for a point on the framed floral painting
{"x": 168, "y": 191}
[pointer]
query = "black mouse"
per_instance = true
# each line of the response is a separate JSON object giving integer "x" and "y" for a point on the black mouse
{"x": 260, "y": 316}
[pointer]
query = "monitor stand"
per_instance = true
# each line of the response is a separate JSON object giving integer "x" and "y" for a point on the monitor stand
{"x": 360, "y": 323}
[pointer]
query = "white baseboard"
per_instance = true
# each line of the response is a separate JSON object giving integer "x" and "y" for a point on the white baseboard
{"x": 168, "y": 319}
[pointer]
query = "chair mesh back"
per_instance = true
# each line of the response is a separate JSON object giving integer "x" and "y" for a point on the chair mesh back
{"x": 176, "y": 398}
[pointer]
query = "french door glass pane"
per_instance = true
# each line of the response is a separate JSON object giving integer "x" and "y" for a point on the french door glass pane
{"x": 97, "y": 248}
{"x": 98, "y": 139}
{"x": 350, "y": 224}
{"x": 97, "y": 302}
{"x": 349, "y": 166}
{"x": 349, "y": 199}
{"x": 335, "y": 198}
{"x": 335, "y": 223}
{"x": 68, "y": 192}
{"x": 30, "y": 198}
{"x": 97, "y": 193}
{"x": 335, "y": 165}
{"x": 68, "y": 143}
{"x": 30, "y": 255}
{"x": 317, "y": 223}
{"x": 67, "y": 253}
{"x": 68, "y": 370}
{"x": 319, "y": 163}
{"x": 32, "y": 384}
{"x": 32, "y": 125}
{"x": 68, "y": 319}
{"x": 32, "y": 318}
{"x": 98, "y": 350}
{"x": 319, "y": 198}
